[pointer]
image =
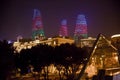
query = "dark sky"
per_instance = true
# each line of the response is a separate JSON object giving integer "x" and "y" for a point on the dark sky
{"x": 103, "y": 16}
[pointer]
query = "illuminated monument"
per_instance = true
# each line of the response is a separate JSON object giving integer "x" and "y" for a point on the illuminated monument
{"x": 102, "y": 57}
{"x": 38, "y": 32}
{"x": 63, "y": 29}
{"x": 80, "y": 29}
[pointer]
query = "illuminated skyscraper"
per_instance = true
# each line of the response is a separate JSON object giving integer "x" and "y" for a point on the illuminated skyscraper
{"x": 38, "y": 32}
{"x": 63, "y": 29}
{"x": 81, "y": 28}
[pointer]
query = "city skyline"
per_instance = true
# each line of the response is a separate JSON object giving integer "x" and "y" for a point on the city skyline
{"x": 16, "y": 17}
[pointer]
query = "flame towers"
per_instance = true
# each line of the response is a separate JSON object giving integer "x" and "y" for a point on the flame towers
{"x": 38, "y": 32}
{"x": 81, "y": 28}
{"x": 79, "y": 33}
{"x": 63, "y": 29}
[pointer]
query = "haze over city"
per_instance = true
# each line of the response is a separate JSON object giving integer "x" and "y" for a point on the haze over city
{"x": 102, "y": 16}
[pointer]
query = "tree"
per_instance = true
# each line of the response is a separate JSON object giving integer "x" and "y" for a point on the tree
{"x": 6, "y": 59}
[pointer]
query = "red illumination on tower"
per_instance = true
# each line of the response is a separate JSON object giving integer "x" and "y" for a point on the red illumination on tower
{"x": 81, "y": 28}
{"x": 63, "y": 29}
{"x": 37, "y": 25}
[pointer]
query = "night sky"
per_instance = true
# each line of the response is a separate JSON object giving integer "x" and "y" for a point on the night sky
{"x": 103, "y": 16}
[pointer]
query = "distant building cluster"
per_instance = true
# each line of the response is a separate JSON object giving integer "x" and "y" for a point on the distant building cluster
{"x": 38, "y": 37}
{"x": 79, "y": 33}
{"x": 18, "y": 45}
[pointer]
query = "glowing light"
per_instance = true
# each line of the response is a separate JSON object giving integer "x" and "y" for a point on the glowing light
{"x": 37, "y": 41}
{"x": 54, "y": 43}
{"x": 116, "y": 35}
{"x": 91, "y": 70}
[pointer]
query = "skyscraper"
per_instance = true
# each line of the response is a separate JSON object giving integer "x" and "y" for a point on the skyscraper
{"x": 80, "y": 29}
{"x": 38, "y": 32}
{"x": 63, "y": 29}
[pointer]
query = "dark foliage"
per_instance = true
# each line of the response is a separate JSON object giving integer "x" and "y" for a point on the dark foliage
{"x": 44, "y": 55}
{"x": 39, "y": 57}
{"x": 6, "y": 59}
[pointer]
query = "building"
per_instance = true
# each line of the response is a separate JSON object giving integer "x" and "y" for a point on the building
{"x": 80, "y": 29}
{"x": 87, "y": 42}
{"x": 63, "y": 31}
{"x": 37, "y": 31}
{"x": 103, "y": 56}
{"x": 57, "y": 41}
{"x": 115, "y": 40}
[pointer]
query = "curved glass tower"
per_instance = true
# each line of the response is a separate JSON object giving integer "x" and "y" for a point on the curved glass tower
{"x": 63, "y": 29}
{"x": 81, "y": 28}
{"x": 38, "y": 32}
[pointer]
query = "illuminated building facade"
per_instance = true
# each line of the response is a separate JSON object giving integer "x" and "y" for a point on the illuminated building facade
{"x": 88, "y": 42}
{"x": 115, "y": 40}
{"x": 104, "y": 56}
{"x": 80, "y": 29}
{"x": 50, "y": 41}
{"x": 63, "y": 29}
{"x": 38, "y": 32}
